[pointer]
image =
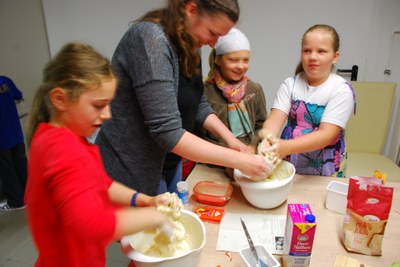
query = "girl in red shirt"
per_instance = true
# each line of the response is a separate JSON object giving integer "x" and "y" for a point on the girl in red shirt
{"x": 74, "y": 208}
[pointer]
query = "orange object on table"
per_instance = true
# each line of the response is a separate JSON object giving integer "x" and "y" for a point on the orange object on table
{"x": 209, "y": 213}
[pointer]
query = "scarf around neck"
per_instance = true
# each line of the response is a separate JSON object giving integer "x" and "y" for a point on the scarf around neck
{"x": 238, "y": 117}
{"x": 233, "y": 92}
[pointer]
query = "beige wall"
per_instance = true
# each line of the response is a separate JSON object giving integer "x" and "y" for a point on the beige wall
{"x": 23, "y": 48}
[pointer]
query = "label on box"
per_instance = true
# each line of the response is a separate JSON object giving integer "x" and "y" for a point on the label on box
{"x": 209, "y": 213}
{"x": 299, "y": 235}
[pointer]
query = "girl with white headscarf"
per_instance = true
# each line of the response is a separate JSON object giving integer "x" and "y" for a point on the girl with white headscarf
{"x": 238, "y": 101}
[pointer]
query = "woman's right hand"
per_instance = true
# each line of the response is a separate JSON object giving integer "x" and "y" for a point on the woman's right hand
{"x": 255, "y": 166}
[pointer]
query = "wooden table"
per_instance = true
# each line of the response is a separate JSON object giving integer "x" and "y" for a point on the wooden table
{"x": 306, "y": 189}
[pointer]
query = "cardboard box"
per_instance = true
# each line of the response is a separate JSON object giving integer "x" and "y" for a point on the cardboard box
{"x": 299, "y": 235}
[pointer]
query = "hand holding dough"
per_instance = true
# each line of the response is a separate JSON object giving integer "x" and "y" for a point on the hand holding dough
{"x": 169, "y": 204}
{"x": 268, "y": 148}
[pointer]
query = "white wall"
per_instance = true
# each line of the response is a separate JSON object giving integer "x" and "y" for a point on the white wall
{"x": 274, "y": 28}
{"x": 98, "y": 22}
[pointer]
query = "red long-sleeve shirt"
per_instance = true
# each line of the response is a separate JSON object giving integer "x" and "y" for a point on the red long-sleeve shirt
{"x": 70, "y": 215}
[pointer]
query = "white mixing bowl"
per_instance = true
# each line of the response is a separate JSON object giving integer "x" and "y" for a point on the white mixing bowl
{"x": 267, "y": 194}
{"x": 195, "y": 231}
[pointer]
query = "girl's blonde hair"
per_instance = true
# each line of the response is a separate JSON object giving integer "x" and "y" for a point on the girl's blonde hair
{"x": 174, "y": 20}
{"x": 213, "y": 66}
{"x": 75, "y": 68}
{"x": 328, "y": 29}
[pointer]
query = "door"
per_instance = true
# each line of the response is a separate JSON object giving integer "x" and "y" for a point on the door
{"x": 393, "y": 75}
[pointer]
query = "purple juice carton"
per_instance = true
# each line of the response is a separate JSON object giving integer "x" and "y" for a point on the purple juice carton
{"x": 299, "y": 235}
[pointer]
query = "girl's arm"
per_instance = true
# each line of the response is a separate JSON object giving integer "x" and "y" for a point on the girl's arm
{"x": 121, "y": 194}
{"x": 132, "y": 220}
{"x": 275, "y": 122}
{"x": 321, "y": 138}
{"x": 216, "y": 127}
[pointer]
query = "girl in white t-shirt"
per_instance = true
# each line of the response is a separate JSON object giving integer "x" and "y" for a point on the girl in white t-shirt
{"x": 315, "y": 104}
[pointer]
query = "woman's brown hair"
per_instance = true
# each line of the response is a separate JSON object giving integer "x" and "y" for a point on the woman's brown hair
{"x": 173, "y": 19}
{"x": 213, "y": 66}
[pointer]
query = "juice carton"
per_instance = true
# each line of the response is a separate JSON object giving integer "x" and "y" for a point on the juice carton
{"x": 299, "y": 235}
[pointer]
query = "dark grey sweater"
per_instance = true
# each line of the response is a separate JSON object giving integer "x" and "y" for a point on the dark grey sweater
{"x": 146, "y": 122}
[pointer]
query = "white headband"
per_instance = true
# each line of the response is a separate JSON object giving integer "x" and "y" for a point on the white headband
{"x": 234, "y": 41}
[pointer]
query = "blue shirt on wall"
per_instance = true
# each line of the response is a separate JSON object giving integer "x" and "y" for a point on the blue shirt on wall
{"x": 10, "y": 126}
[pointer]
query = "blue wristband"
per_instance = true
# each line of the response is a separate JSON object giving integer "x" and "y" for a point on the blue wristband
{"x": 133, "y": 201}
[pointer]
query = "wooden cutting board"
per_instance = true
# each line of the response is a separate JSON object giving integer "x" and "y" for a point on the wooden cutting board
{"x": 344, "y": 261}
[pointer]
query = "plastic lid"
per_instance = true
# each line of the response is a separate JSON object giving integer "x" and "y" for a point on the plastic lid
{"x": 182, "y": 186}
{"x": 214, "y": 193}
{"x": 310, "y": 218}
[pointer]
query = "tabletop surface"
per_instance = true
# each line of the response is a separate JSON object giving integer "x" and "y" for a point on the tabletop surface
{"x": 306, "y": 189}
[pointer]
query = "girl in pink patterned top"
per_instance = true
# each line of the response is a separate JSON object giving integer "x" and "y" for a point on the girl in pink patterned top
{"x": 315, "y": 104}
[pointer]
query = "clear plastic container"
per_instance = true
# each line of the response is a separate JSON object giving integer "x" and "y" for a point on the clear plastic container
{"x": 212, "y": 193}
{"x": 336, "y": 197}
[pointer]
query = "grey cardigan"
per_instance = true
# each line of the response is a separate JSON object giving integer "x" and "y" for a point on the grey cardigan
{"x": 146, "y": 122}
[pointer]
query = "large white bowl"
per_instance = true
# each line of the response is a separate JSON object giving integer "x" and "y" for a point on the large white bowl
{"x": 195, "y": 230}
{"x": 266, "y": 195}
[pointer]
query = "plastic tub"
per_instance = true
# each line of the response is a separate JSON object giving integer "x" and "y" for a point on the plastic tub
{"x": 212, "y": 193}
{"x": 263, "y": 254}
{"x": 336, "y": 197}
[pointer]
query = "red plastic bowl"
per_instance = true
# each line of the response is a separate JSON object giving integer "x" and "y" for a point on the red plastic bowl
{"x": 213, "y": 193}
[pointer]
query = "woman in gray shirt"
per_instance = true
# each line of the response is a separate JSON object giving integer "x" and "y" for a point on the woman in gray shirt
{"x": 151, "y": 59}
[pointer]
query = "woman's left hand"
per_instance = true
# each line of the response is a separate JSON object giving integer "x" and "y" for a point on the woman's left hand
{"x": 238, "y": 145}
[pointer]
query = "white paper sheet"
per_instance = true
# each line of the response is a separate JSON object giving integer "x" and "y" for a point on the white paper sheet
{"x": 264, "y": 229}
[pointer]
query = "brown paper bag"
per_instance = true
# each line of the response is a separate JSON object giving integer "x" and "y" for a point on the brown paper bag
{"x": 367, "y": 213}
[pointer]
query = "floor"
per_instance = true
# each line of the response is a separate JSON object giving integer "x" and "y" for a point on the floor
{"x": 18, "y": 250}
